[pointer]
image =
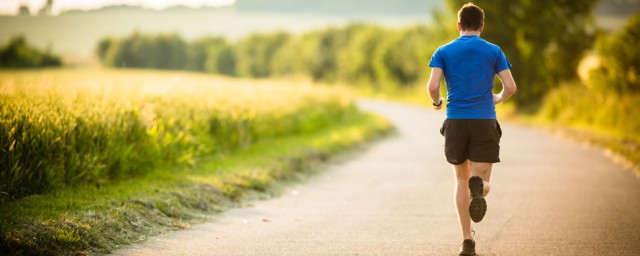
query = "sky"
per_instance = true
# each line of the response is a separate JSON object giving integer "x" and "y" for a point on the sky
{"x": 11, "y": 6}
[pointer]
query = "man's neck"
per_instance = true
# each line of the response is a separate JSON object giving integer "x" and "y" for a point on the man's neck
{"x": 470, "y": 33}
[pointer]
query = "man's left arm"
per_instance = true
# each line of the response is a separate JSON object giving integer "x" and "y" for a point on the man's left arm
{"x": 508, "y": 87}
{"x": 433, "y": 86}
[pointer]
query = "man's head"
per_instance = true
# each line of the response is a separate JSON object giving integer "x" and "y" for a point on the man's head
{"x": 470, "y": 18}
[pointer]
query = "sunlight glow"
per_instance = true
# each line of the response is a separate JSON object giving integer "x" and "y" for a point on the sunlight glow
{"x": 11, "y": 6}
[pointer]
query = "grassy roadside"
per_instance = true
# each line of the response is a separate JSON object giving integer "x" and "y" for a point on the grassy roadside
{"x": 91, "y": 219}
{"x": 608, "y": 121}
{"x": 65, "y": 127}
{"x": 625, "y": 152}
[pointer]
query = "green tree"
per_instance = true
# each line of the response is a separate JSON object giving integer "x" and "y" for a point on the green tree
{"x": 19, "y": 54}
{"x": 103, "y": 47}
{"x": 220, "y": 57}
{"x": 322, "y": 50}
{"x": 619, "y": 59}
{"x": 167, "y": 51}
{"x": 163, "y": 51}
{"x": 290, "y": 58}
{"x": 543, "y": 39}
{"x": 360, "y": 60}
{"x": 409, "y": 53}
{"x": 198, "y": 51}
{"x": 130, "y": 52}
{"x": 255, "y": 53}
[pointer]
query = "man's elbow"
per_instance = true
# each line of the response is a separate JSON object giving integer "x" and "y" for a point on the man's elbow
{"x": 433, "y": 88}
{"x": 514, "y": 89}
{"x": 511, "y": 89}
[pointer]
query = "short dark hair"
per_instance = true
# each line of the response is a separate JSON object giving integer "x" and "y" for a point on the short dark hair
{"x": 471, "y": 17}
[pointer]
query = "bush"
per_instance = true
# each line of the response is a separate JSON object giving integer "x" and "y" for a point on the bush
{"x": 619, "y": 56}
{"x": 19, "y": 54}
{"x": 601, "y": 111}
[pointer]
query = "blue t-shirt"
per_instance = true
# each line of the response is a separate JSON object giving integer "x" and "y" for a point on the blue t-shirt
{"x": 470, "y": 64}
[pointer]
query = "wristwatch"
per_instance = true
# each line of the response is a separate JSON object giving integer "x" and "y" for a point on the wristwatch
{"x": 439, "y": 104}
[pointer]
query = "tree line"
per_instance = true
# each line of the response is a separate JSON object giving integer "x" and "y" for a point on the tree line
{"x": 544, "y": 42}
{"x": 357, "y": 53}
{"x": 18, "y": 53}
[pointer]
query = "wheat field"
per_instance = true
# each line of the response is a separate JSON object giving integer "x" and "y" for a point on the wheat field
{"x": 97, "y": 126}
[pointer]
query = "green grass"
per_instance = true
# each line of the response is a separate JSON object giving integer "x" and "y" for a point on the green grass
{"x": 96, "y": 158}
{"x": 97, "y": 219}
{"x": 66, "y": 127}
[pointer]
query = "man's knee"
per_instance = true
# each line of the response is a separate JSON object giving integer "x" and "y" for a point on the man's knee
{"x": 480, "y": 167}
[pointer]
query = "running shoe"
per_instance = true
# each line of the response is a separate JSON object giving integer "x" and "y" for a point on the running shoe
{"x": 468, "y": 248}
{"x": 478, "y": 206}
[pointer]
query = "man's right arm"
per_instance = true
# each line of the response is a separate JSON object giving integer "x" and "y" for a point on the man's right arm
{"x": 433, "y": 86}
{"x": 508, "y": 87}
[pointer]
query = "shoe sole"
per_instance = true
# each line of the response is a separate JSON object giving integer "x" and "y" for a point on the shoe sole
{"x": 467, "y": 254}
{"x": 478, "y": 206}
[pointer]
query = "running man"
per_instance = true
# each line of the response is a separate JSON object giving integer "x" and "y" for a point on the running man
{"x": 471, "y": 131}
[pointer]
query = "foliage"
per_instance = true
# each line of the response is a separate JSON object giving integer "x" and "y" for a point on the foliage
{"x": 603, "y": 109}
{"x": 19, "y": 54}
{"x": 608, "y": 104}
{"x": 544, "y": 40}
{"x": 70, "y": 127}
{"x": 163, "y": 51}
{"x": 615, "y": 115}
{"x": 322, "y": 51}
{"x": 255, "y": 53}
{"x": 198, "y": 53}
{"x": 357, "y": 53}
{"x": 619, "y": 56}
{"x": 220, "y": 58}
{"x": 96, "y": 220}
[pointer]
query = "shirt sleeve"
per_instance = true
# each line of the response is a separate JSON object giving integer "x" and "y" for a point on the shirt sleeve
{"x": 437, "y": 61}
{"x": 502, "y": 63}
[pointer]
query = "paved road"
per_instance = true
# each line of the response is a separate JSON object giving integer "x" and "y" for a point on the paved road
{"x": 549, "y": 197}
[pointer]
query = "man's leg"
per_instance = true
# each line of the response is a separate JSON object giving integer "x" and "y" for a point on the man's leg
{"x": 478, "y": 188}
{"x": 463, "y": 172}
{"x": 483, "y": 170}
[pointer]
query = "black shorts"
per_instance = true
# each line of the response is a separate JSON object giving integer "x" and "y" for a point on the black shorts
{"x": 475, "y": 139}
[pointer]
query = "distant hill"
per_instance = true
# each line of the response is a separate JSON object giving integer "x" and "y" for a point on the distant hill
{"x": 139, "y": 9}
{"x": 342, "y": 7}
{"x": 109, "y": 8}
{"x": 75, "y": 33}
{"x": 348, "y": 8}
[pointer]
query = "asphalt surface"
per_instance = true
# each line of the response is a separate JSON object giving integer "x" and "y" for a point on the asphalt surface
{"x": 549, "y": 196}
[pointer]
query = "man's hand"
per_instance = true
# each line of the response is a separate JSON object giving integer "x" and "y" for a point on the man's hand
{"x": 438, "y": 106}
{"x": 496, "y": 99}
